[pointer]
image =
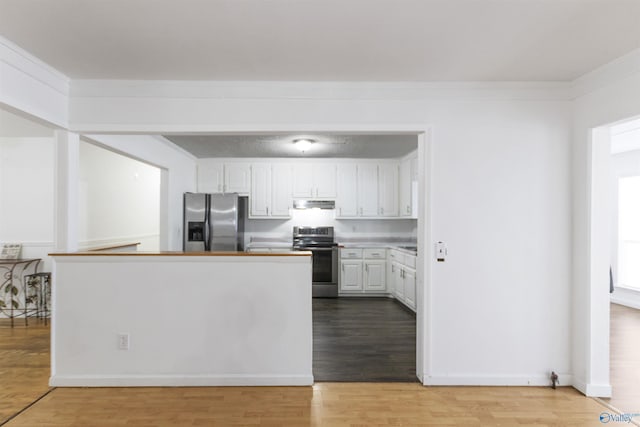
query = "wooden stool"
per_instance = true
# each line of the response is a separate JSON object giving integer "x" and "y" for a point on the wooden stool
{"x": 42, "y": 283}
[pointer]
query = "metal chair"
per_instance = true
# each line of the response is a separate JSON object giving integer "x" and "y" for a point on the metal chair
{"x": 41, "y": 283}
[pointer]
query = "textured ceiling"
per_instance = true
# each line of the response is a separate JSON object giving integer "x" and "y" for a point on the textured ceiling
{"x": 325, "y": 145}
{"x": 324, "y": 40}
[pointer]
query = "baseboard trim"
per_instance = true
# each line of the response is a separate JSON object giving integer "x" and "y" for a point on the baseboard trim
{"x": 505, "y": 380}
{"x": 178, "y": 380}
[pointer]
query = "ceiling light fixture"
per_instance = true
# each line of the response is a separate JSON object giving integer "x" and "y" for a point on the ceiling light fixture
{"x": 303, "y": 144}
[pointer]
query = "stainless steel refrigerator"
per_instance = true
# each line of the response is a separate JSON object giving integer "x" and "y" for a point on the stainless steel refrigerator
{"x": 214, "y": 222}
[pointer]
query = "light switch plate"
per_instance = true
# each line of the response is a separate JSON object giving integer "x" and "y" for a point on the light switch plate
{"x": 441, "y": 251}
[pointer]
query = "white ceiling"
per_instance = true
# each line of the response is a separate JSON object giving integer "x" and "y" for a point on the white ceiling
{"x": 281, "y": 145}
{"x": 323, "y": 40}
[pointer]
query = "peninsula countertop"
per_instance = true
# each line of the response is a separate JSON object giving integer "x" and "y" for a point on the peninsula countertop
{"x": 181, "y": 253}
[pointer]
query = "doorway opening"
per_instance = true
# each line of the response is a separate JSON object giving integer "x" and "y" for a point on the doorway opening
{"x": 373, "y": 331}
{"x": 119, "y": 200}
{"x": 624, "y": 321}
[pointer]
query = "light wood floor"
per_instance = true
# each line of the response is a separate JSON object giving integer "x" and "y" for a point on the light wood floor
{"x": 24, "y": 365}
{"x": 25, "y": 350}
{"x": 625, "y": 358}
{"x": 325, "y": 404}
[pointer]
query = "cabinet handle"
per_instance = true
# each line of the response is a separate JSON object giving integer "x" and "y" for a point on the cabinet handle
{"x": 360, "y": 211}
{"x": 381, "y": 211}
{"x": 267, "y": 210}
{"x": 375, "y": 253}
{"x": 342, "y": 267}
{"x": 339, "y": 211}
{"x": 366, "y": 267}
{"x": 408, "y": 209}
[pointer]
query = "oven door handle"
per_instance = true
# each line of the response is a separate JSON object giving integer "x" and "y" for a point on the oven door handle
{"x": 315, "y": 249}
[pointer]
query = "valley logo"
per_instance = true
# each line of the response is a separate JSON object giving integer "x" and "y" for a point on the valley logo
{"x": 607, "y": 417}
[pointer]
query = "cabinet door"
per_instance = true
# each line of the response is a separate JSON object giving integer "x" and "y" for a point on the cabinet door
{"x": 388, "y": 189}
{"x": 351, "y": 276}
{"x": 237, "y": 178}
{"x": 324, "y": 180}
{"x": 410, "y": 288}
{"x": 367, "y": 189}
{"x": 347, "y": 193}
{"x": 391, "y": 278}
{"x": 303, "y": 180}
{"x": 399, "y": 281}
{"x": 260, "y": 196}
{"x": 375, "y": 276}
{"x": 405, "y": 188}
{"x": 281, "y": 189}
{"x": 210, "y": 177}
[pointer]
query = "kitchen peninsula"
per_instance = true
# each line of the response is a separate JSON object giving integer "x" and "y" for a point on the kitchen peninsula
{"x": 181, "y": 319}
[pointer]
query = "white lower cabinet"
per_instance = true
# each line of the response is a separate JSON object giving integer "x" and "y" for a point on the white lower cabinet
{"x": 409, "y": 277}
{"x": 363, "y": 271}
{"x": 351, "y": 275}
{"x": 371, "y": 271}
{"x": 374, "y": 276}
{"x": 403, "y": 277}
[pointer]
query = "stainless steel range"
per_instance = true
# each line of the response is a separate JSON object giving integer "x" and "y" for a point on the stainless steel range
{"x": 321, "y": 243}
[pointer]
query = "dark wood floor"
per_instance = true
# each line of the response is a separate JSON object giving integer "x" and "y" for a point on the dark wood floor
{"x": 363, "y": 339}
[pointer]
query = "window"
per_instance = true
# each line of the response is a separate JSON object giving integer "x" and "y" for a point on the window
{"x": 629, "y": 232}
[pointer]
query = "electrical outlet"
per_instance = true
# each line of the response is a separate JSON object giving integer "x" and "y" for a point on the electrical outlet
{"x": 123, "y": 341}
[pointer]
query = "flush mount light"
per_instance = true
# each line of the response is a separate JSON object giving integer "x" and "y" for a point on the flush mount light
{"x": 303, "y": 144}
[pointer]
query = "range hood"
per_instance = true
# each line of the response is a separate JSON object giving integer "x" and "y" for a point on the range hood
{"x": 314, "y": 204}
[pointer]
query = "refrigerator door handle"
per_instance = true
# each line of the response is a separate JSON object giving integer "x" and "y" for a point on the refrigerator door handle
{"x": 207, "y": 226}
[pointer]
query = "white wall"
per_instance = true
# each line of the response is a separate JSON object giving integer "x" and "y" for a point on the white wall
{"x": 178, "y": 176}
{"x": 607, "y": 95}
{"x": 119, "y": 200}
{"x": 26, "y": 195}
{"x": 191, "y": 320}
{"x": 501, "y": 198}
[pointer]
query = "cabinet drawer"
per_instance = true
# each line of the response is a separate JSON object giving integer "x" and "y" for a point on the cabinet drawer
{"x": 396, "y": 256}
{"x": 410, "y": 261}
{"x": 379, "y": 253}
{"x": 350, "y": 253}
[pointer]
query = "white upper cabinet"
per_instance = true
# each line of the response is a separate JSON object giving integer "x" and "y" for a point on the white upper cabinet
{"x": 260, "y": 196}
{"x": 324, "y": 178}
{"x": 210, "y": 176}
{"x": 281, "y": 189}
{"x": 367, "y": 189}
{"x": 347, "y": 190}
{"x": 302, "y": 180}
{"x": 405, "y": 188}
{"x": 314, "y": 180}
{"x": 388, "y": 189}
{"x": 222, "y": 177}
{"x": 237, "y": 178}
{"x": 270, "y": 195}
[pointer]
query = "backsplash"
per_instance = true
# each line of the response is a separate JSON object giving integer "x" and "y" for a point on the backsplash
{"x": 403, "y": 229}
